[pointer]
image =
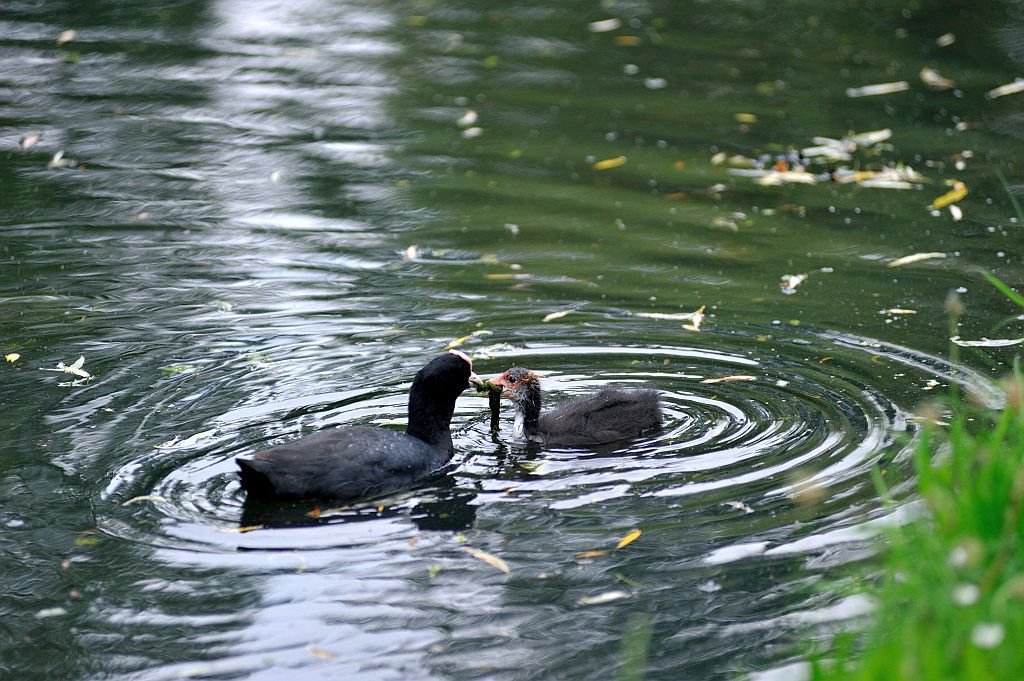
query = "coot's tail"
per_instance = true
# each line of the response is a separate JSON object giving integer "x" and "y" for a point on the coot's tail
{"x": 254, "y": 480}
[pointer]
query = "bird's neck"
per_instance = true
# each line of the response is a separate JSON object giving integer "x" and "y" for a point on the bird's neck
{"x": 430, "y": 419}
{"x": 528, "y": 415}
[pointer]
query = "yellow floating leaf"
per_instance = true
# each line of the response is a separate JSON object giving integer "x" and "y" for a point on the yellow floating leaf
{"x": 13, "y": 357}
{"x": 915, "y": 257}
{"x": 145, "y": 497}
{"x": 878, "y": 89}
{"x": 609, "y": 163}
{"x": 488, "y": 558}
{"x": 591, "y": 554}
{"x": 606, "y": 597}
{"x": 626, "y": 40}
{"x": 958, "y": 192}
{"x": 628, "y": 539}
{"x": 745, "y": 118}
{"x": 724, "y": 379}
{"x": 459, "y": 341}
{"x": 500, "y": 276}
{"x": 243, "y": 529}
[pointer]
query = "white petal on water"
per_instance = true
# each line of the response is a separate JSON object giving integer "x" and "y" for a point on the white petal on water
{"x": 557, "y": 315}
{"x": 606, "y": 597}
{"x": 50, "y": 612}
{"x": 604, "y": 25}
{"x": 729, "y": 554}
{"x": 987, "y": 635}
{"x": 936, "y": 80}
{"x": 878, "y": 89}
{"x": 1008, "y": 89}
{"x": 987, "y": 343}
{"x": 915, "y": 257}
{"x": 966, "y": 594}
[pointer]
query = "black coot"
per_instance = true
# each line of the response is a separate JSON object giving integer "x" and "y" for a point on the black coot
{"x": 356, "y": 461}
{"x": 608, "y": 415}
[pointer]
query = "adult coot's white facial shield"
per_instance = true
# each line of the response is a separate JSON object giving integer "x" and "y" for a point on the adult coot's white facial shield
{"x": 474, "y": 380}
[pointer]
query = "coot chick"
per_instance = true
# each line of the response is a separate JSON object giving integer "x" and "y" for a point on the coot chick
{"x": 358, "y": 461}
{"x": 608, "y": 415}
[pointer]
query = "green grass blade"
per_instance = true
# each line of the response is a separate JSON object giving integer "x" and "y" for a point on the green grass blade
{"x": 1004, "y": 289}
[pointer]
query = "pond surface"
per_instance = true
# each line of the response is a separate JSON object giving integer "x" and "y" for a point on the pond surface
{"x": 258, "y": 219}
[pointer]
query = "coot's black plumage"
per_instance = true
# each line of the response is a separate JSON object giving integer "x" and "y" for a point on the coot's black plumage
{"x": 608, "y": 415}
{"x": 358, "y": 461}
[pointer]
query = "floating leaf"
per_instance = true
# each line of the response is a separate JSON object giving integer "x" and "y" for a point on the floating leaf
{"x": 12, "y": 357}
{"x": 745, "y": 118}
{"x": 66, "y": 36}
{"x": 488, "y": 558}
{"x": 626, "y": 40}
{"x": 986, "y": 343}
{"x": 459, "y": 341}
{"x": 878, "y": 89}
{"x": 557, "y": 315}
{"x": 145, "y": 497}
{"x": 467, "y": 119}
{"x": 1008, "y": 89}
{"x": 897, "y": 310}
{"x": 606, "y": 597}
{"x": 739, "y": 506}
{"x": 29, "y": 140}
{"x": 914, "y": 257}
{"x": 945, "y": 40}
{"x": 730, "y": 378}
{"x": 958, "y": 192}
{"x": 609, "y": 163}
{"x": 591, "y": 554}
{"x": 628, "y": 539}
{"x": 499, "y": 276}
{"x": 241, "y": 530}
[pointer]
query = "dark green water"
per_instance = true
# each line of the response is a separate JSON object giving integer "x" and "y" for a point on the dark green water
{"x": 268, "y": 215}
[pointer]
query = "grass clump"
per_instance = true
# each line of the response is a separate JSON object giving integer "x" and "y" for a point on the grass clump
{"x": 951, "y": 605}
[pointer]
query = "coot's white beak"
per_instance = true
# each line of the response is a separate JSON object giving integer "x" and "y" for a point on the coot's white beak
{"x": 474, "y": 380}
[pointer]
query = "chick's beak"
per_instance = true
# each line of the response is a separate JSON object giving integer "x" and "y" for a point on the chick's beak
{"x": 501, "y": 380}
{"x": 476, "y": 381}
